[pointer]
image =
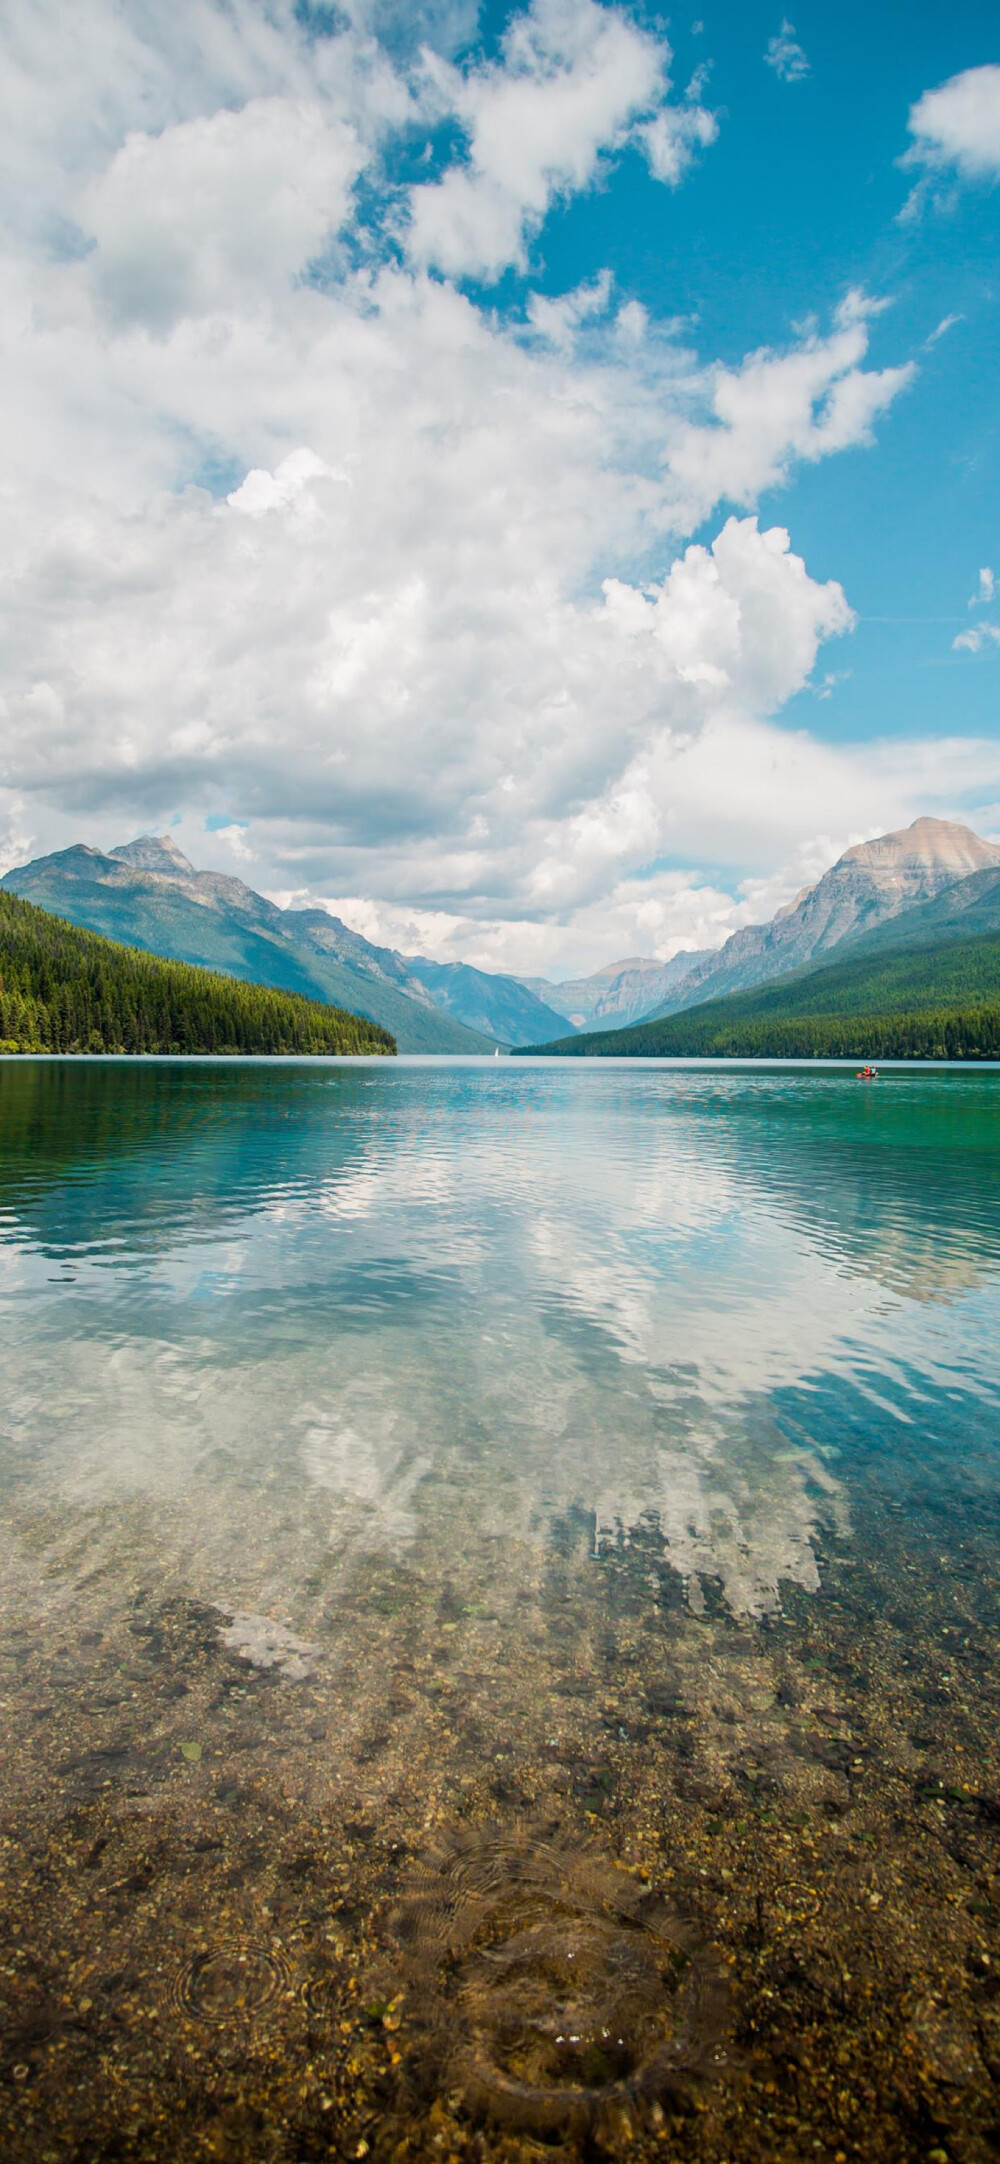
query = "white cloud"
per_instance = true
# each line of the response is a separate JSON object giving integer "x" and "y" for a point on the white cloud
{"x": 742, "y": 614}
{"x": 655, "y": 914}
{"x": 572, "y": 82}
{"x": 785, "y": 55}
{"x": 325, "y": 556}
{"x": 778, "y": 408}
{"x": 737, "y": 790}
{"x": 444, "y": 25}
{"x": 235, "y": 839}
{"x": 262, "y": 492}
{"x": 979, "y": 638}
{"x": 559, "y": 319}
{"x": 15, "y": 837}
{"x": 941, "y": 330}
{"x": 985, "y": 591}
{"x": 672, "y": 141}
{"x": 217, "y": 211}
{"x": 77, "y": 82}
{"x": 958, "y": 125}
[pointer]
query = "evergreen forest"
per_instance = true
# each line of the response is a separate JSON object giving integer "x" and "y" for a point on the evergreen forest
{"x": 63, "y": 989}
{"x": 939, "y": 1002}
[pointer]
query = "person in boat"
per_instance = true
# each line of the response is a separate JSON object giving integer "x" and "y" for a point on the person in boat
{"x": 867, "y": 1074}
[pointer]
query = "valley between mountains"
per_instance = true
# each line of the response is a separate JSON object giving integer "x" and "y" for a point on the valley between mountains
{"x": 927, "y": 889}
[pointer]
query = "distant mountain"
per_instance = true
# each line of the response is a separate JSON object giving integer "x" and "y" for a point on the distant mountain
{"x": 912, "y": 1002}
{"x": 620, "y": 991}
{"x": 636, "y": 988}
{"x": 148, "y": 895}
{"x": 501, "y": 1007}
{"x": 869, "y": 884}
{"x": 63, "y": 989}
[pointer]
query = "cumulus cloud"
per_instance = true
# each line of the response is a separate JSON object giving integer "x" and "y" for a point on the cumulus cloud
{"x": 958, "y": 125}
{"x": 234, "y": 836}
{"x": 287, "y": 485}
{"x": 77, "y": 83}
{"x": 574, "y": 79}
{"x": 216, "y": 212}
{"x": 780, "y": 408}
{"x": 656, "y": 914}
{"x": 743, "y": 613}
{"x": 739, "y": 790}
{"x": 785, "y": 55}
{"x": 985, "y": 591}
{"x": 390, "y": 586}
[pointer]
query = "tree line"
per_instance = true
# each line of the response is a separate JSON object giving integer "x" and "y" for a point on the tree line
{"x": 63, "y": 989}
{"x": 970, "y": 1033}
{"x": 937, "y": 1002}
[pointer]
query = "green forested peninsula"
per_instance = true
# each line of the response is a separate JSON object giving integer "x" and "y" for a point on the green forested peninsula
{"x": 67, "y": 990}
{"x": 939, "y": 1002}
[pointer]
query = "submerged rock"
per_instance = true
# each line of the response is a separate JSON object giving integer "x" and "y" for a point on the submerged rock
{"x": 266, "y": 1644}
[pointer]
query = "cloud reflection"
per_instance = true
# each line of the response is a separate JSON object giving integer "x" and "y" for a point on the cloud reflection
{"x": 292, "y": 1310}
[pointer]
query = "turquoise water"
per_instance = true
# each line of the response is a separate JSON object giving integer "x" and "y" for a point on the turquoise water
{"x": 398, "y": 1433}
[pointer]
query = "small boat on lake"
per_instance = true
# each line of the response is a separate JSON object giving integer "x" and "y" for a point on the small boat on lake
{"x": 867, "y": 1074}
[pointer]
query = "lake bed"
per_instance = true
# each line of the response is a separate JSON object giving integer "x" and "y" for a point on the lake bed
{"x": 498, "y": 1611}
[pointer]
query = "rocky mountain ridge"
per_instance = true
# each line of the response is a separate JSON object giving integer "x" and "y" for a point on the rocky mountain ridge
{"x": 870, "y": 884}
{"x": 621, "y": 991}
{"x": 147, "y": 894}
{"x": 965, "y": 911}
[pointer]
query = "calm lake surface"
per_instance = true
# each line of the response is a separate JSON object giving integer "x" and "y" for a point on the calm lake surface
{"x": 499, "y": 1600}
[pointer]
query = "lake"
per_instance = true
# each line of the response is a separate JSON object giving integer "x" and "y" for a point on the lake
{"x": 499, "y": 1600}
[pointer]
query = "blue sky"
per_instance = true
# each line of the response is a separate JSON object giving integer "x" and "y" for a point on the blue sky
{"x": 799, "y": 199}
{"x": 517, "y": 474}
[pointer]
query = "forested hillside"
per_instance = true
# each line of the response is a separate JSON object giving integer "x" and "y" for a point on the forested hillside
{"x": 147, "y": 895}
{"x": 67, "y": 990}
{"x": 930, "y": 1003}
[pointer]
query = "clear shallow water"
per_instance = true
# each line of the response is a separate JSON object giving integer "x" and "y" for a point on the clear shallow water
{"x": 532, "y": 1468}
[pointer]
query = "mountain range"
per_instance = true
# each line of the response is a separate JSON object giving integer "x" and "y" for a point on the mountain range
{"x": 868, "y": 886}
{"x": 934, "y": 1001}
{"x": 924, "y": 982}
{"x": 621, "y": 991}
{"x": 148, "y": 894}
